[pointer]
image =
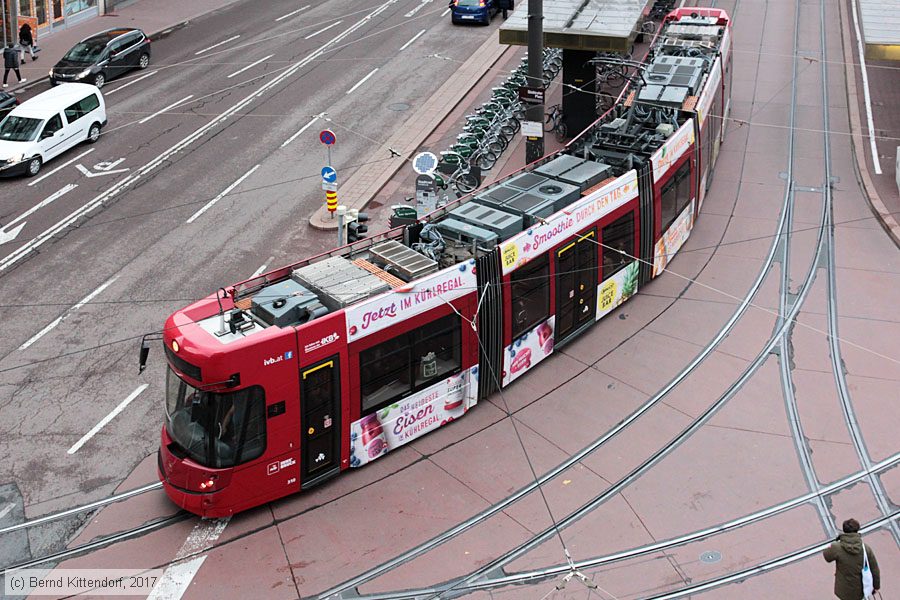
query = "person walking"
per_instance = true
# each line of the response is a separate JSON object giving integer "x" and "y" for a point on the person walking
{"x": 11, "y": 63}
{"x": 847, "y": 552}
{"x": 505, "y": 5}
{"x": 26, "y": 40}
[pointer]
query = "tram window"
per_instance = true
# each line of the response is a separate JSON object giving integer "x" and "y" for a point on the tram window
{"x": 676, "y": 195}
{"x": 618, "y": 244}
{"x": 437, "y": 350}
{"x": 409, "y": 362}
{"x": 384, "y": 372}
{"x": 530, "y": 294}
{"x": 216, "y": 430}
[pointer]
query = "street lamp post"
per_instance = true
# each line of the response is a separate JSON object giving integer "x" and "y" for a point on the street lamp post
{"x": 534, "y": 145}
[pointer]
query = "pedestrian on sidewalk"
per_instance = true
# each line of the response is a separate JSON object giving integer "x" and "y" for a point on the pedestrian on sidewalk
{"x": 505, "y": 5}
{"x": 11, "y": 63}
{"x": 847, "y": 552}
{"x": 26, "y": 40}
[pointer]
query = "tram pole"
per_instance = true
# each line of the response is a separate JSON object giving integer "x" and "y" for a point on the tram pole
{"x": 534, "y": 145}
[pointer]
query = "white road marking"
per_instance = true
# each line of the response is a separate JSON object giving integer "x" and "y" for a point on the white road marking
{"x": 63, "y": 316}
{"x": 444, "y": 14}
{"x": 259, "y": 271}
{"x": 870, "y": 121}
{"x": 108, "y": 418}
{"x": 210, "y": 204}
{"x": 250, "y": 66}
{"x": 177, "y": 577}
{"x": 171, "y": 106}
{"x": 132, "y": 82}
{"x": 302, "y": 129}
{"x": 62, "y": 166}
{"x": 39, "y": 205}
{"x": 417, "y": 9}
{"x": 6, "y": 509}
{"x": 415, "y": 37}
{"x": 362, "y": 81}
{"x": 231, "y": 39}
{"x": 312, "y": 35}
{"x": 87, "y": 173}
{"x": 291, "y": 14}
{"x": 160, "y": 159}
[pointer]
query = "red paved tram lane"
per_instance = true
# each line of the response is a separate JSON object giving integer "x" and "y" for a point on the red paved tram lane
{"x": 742, "y": 461}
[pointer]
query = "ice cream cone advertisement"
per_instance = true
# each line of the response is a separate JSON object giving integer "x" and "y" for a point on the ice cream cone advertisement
{"x": 617, "y": 289}
{"x": 528, "y": 350}
{"x": 390, "y": 427}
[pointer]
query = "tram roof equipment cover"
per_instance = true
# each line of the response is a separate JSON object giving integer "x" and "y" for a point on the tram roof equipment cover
{"x": 881, "y": 28}
{"x": 603, "y": 25}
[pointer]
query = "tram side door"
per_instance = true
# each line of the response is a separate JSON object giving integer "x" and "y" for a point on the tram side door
{"x": 320, "y": 413}
{"x": 576, "y": 284}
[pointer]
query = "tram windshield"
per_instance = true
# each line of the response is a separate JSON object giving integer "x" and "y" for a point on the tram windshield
{"x": 215, "y": 429}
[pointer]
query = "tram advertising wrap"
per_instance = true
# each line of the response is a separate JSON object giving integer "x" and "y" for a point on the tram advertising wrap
{"x": 673, "y": 238}
{"x": 527, "y": 351}
{"x": 617, "y": 289}
{"x": 393, "y": 426}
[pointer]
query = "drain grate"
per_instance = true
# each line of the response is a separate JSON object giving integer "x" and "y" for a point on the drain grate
{"x": 710, "y": 557}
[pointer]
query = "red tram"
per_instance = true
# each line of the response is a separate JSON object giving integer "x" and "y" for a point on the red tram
{"x": 283, "y": 381}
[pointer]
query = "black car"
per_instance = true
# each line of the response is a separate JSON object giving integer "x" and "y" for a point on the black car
{"x": 7, "y": 103}
{"x": 103, "y": 56}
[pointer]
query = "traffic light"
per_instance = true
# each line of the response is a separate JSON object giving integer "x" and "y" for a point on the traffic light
{"x": 357, "y": 229}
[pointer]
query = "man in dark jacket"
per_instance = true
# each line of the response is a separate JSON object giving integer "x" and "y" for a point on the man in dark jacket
{"x": 10, "y": 63}
{"x": 505, "y": 5}
{"x": 847, "y": 551}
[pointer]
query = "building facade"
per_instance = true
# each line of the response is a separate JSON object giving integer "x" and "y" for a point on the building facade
{"x": 47, "y": 16}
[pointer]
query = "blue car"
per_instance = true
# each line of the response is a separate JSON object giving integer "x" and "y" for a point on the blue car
{"x": 473, "y": 11}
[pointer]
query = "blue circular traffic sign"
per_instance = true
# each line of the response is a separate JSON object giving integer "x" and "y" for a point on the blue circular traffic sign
{"x": 329, "y": 175}
{"x": 327, "y": 137}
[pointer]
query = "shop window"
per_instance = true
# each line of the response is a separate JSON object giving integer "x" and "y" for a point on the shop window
{"x": 409, "y": 362}
{"x": 676, "y": 195}
{"x": 618, "y": 244}
{"x": 530, "y": 294}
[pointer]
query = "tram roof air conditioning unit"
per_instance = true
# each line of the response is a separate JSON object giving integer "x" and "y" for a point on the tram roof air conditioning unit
{"x": 676, "y": 70}
{"x": 560, "y": 165}
{"x": 339, "y": 282}
{"x": 525, "y": 181}
{"x": 503, "y": 224}
{"x": 404, "y": 261}
{"x": 700, "y": 32}
{"x": 466, "y": 233}
{"x": 497, "y": 196}
{"x": 286, "y": 303}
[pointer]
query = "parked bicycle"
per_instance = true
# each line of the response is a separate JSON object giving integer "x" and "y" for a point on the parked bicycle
{"x": 555, "y": 122}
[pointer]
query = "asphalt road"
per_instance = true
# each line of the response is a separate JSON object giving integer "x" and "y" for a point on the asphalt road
{"x": 126, "y": 231}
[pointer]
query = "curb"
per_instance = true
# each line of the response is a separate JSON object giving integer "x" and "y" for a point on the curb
{"x": 366, "y": 182}
{"x": 885, "y": 218}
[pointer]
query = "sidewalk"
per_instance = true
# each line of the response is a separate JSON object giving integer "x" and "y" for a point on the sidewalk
{"x": 884, "y": 87}
{"x": 156, "y": 17}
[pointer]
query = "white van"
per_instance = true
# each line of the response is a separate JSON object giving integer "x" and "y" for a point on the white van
{"x": 48, "y": 125}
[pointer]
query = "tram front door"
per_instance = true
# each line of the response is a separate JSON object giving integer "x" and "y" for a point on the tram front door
{"x": 576, "y": 284}
{"x": 320, "y": 412}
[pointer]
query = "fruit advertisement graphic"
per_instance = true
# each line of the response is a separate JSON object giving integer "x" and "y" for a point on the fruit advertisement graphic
{"x": 670, "y": 241}
{"x": 617, "y": 289}
{"x": 528, "y": 350}
{"x": 390, "y": 427}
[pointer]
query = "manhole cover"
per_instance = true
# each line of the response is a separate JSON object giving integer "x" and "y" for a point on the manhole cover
{"x": 399, "y": 106}
{"x": 710, "y": 557}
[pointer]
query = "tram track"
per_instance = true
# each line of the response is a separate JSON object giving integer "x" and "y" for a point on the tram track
{"x": 784, "y": 349}
{"x": 539, "y": 575}
{"x": 99, "y": 543}
{"x": 788, "y": 309}
{"x": 837, "y": 363}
